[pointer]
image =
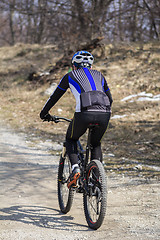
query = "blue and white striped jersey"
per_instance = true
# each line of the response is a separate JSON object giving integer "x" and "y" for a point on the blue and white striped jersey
{"x": 80, "y": 81}
{"x": 84, "y": 80}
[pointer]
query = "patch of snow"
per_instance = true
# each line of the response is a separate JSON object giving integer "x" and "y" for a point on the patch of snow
{"x": 44, "y": 74}
{"x": 141, "y": 99}
{"x": 142, "y": 96}
{"x": 128, "y": 97}
{"x": 110, "y": 155}
{"x": 157, "y": 96}
{"x": 145, "y": 94}
{"x": 118, "y": 116}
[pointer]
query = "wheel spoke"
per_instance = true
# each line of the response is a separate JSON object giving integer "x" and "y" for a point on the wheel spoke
{"x": 65, "y": 195}
{"x": 95, "y": 198}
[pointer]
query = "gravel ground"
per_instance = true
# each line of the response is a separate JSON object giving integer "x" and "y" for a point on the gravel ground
{"x": 29, "y": 206}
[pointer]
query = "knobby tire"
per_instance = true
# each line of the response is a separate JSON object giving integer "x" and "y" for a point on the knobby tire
{"x": 95, "y": 200}
{"x": 65, "y": 195}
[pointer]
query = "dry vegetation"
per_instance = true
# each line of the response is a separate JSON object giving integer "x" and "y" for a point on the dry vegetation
{"x": 128, "y": 69}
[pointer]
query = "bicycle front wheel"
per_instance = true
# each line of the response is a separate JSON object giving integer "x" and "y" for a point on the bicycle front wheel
{"x": 95, "y": 198}
{"x": 65, "y": 195}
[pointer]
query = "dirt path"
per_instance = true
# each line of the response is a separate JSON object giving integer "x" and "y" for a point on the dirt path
{"x": 29, "y": 207}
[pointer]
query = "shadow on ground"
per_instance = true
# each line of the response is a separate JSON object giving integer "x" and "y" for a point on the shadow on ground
{"x": 40, "y": 216}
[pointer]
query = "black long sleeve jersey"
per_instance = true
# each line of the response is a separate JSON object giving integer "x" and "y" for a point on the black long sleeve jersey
{"x": 80, "y": 81}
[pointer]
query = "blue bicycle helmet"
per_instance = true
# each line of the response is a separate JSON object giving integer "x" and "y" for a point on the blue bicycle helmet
{"x": 82, "y": 59}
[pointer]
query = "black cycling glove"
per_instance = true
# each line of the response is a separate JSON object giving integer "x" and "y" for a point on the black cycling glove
{"x": 46, "y": 117}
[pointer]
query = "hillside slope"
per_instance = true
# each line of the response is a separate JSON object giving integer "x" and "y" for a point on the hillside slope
{"x": 132, "y": 71}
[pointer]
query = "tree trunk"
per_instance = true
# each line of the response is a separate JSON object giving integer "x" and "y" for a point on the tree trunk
{"x": 11, "y": 25}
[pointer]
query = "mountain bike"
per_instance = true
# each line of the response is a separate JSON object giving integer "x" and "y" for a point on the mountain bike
{"x": 91, "y": 183}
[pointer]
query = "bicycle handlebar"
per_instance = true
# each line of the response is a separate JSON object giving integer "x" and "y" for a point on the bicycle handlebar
{"x": 57, "y": 119}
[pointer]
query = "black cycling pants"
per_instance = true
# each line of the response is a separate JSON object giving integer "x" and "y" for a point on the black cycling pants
{"x": 78, "y": 127}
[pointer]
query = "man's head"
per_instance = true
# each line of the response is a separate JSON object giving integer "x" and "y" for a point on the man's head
{"x": 82, "y": 59}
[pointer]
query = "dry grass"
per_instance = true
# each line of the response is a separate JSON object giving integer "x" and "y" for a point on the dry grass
{"x": 128, "y": 70}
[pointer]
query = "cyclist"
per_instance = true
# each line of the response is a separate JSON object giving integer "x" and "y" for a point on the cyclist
{"x": 93, "y": 105}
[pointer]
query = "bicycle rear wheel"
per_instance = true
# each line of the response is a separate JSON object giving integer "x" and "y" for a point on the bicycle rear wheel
{"x": 95, "y": 198}
{"x": 65, "y": 195}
